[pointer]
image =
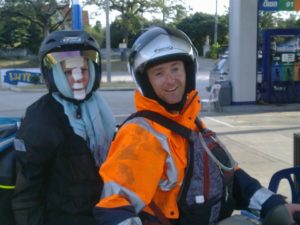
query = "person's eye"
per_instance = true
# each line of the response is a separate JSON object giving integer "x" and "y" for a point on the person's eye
{"x": 175, "y": 69}
{"x": 159, "y": 73}
{"x": 84, "y": 70}
{"x": 68, "y": 72}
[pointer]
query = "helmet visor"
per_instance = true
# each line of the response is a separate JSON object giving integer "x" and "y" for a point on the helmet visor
{"x": 53, "y": 58}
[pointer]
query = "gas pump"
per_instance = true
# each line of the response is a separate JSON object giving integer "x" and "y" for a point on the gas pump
{"x": 281, "y": 66}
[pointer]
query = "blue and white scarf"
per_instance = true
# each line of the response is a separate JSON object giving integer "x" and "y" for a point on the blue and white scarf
{"x": 97, "y": 123}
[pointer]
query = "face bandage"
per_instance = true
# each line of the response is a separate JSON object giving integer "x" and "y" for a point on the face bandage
{"x": 73, "y": 59}
{"x": 75, "y": 65}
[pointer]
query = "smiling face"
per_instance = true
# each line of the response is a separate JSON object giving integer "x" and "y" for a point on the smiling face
{"x": 168, "y": 81}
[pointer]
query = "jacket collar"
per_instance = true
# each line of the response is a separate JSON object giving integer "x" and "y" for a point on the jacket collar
{"x": 186, "y": 117}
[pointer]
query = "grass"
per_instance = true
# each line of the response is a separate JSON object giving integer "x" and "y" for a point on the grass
{"x": 17, "y": 63}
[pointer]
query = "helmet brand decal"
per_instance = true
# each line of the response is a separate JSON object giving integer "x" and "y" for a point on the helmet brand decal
{"x": 163, "y": 49}
{"x": 72, "y": 40}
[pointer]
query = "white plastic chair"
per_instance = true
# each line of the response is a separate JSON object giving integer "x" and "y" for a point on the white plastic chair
{"x": 213, "y": 98}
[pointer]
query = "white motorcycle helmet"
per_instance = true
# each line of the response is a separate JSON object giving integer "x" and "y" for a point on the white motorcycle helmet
{"x": 159, "y": 45}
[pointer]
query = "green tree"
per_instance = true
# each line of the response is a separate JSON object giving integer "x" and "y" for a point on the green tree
{"x": 197, "y": 27}
{"x": 116, "y": 31}
{"x": 266, "y": 20}
{"x": 223, "y": 31}
{"x": 200, "y": 25}
{"x": 291, "y": 22}
{"x": 13, "y": 32}
{"x": 172, "y": 11}
{"x": 214, "y": 51}
{"x": 26, "y": 22}
{"x": 96, "y": 31}
{"x": 44, "y": 13}
{"x": 131, "y": 12}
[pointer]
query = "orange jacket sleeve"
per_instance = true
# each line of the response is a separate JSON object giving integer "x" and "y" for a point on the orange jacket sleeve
{"x": 135, "y": 163}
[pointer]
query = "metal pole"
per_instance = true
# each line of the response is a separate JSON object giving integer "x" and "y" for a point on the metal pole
{"x": 297, "y": 149}
{"x": 108, "y": 63}
{"x": 76, "y": 15}
{"x": 216, "y": 24}
{"x": 164, "y": 12}
{"x": 296, "y": 155}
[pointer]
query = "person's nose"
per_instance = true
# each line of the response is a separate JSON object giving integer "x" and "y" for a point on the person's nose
{"x": 170, "y": 77}
{"x": 77, "y": 75}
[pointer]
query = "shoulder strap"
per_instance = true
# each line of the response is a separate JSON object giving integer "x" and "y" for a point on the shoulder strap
{"x": 184, "y": 132}
{"x": 159, "y": 214}
{"x": 162, "y": 120}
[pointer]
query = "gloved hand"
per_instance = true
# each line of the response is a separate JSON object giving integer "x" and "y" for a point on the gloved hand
{"x": 238, "y": 219}
{"x": 297, "y": 217}
{"x": 280, "y": 215}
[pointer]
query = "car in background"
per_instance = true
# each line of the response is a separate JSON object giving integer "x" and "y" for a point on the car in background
{"x": 219, "y": 72}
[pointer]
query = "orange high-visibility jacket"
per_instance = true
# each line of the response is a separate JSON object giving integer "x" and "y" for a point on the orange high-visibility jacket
{"x": 137, "y": 161}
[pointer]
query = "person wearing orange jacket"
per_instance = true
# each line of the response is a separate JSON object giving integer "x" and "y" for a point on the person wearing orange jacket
{"x": 164, "y": 166}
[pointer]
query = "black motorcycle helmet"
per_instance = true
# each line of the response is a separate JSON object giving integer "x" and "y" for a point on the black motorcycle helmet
{"x": 159, "y": 45}
{"x": 64, "y": 41}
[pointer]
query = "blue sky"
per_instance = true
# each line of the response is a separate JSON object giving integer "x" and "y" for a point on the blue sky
{"x": 209, "y": 6}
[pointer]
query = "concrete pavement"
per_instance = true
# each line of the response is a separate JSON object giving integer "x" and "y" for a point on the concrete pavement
{"x": 261, "y": 138}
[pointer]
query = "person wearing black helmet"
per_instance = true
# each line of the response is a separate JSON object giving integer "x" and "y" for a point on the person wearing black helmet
{"x": 164, "y": 166}
{"x": 64, "y": 136}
